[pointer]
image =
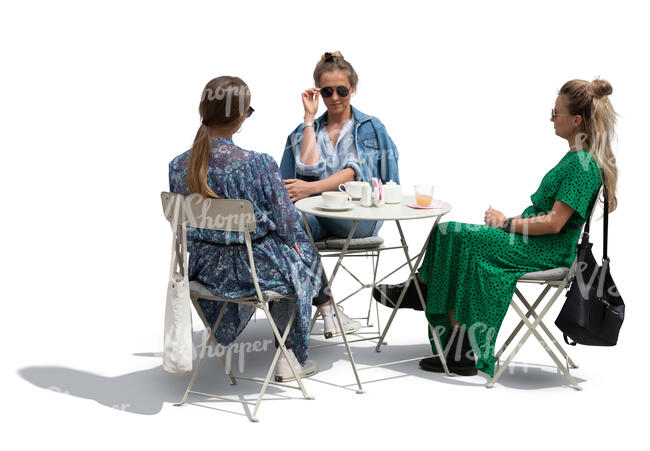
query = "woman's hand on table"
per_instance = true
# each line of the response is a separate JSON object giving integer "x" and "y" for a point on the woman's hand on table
{"x": 299, "y": 189}
{"x": 310, "y": 102}
{"x": 494, "y": 218}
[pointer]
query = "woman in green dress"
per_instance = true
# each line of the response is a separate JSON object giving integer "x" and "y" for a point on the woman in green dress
{"x": 469, "y": 272}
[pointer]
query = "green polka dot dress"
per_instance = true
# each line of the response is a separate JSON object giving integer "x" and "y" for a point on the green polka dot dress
{"x": 472, "y": 269}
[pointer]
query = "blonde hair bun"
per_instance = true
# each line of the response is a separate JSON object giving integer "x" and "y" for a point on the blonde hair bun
{"x": 599, "y": 88}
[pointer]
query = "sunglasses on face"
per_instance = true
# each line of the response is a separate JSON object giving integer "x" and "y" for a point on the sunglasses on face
{"x": 327, "y": 91}
{"x": 249, "y": 111}
{"x": 555, "y": 114}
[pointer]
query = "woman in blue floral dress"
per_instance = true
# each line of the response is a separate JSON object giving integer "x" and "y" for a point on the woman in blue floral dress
{"x": 285, "y": 260}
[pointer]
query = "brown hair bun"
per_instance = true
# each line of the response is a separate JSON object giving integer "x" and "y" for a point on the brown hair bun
{"x": 329, "y": 56}
{"x": 331, "y": 61}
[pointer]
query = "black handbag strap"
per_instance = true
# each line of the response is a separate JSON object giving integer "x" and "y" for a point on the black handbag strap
{"x": 605, "y": 220}
{"x": 566, "y": 340}
{"x": 605, "y": 224}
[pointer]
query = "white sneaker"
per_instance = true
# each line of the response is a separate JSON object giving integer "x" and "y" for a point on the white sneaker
{"x": 283, "y": 372}
{"x": 331, "y": 325}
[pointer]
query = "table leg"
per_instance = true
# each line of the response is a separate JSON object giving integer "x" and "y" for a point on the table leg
{"x": 308, "y": 229}
{"x": 412, "y": 275}
{"x": 330, "y": 282}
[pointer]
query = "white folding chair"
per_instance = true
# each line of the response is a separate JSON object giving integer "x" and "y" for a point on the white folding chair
{"x": 558, "y": 278}
{"x": 357, "y": 247}
{"x": 228, "y": 215}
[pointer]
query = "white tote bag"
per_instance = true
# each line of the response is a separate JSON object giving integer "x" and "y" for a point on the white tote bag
{"x": 177, "y": 354}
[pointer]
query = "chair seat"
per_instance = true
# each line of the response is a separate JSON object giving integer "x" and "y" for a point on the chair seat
{"x": 198, "y": 288}
{"x": 555, "y": 274}
{"x": 370, "y": 242}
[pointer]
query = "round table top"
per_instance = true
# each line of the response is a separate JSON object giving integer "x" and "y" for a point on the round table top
{"x": 312, "y": 205}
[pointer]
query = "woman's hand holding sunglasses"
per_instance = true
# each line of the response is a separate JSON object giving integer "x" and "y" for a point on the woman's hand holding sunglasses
{"x": 310, "y": 102}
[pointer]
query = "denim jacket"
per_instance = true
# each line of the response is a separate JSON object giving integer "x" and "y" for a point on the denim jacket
{"x": 376, "y": 151}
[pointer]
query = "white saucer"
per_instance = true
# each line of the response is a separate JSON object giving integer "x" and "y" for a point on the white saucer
{"x": 343, "y": 208}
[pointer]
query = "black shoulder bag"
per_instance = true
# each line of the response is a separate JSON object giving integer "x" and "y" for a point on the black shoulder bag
{"x": 594, "y": 310}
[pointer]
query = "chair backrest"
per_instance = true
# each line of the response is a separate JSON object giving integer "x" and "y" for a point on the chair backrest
{"x": 228, "y": 215}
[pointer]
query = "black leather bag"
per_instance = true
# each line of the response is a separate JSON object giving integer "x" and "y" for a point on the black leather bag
{"x": 594, "y": 310}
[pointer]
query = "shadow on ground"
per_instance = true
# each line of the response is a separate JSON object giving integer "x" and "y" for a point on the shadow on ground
{"x": 146, "y": 391}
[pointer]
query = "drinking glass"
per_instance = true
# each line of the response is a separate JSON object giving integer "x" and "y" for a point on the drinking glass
{"x": 423, "y": 195}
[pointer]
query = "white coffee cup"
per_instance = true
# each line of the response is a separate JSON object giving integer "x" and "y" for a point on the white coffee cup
{"x": 336, "y": 199}
{"x": 353, "y": 188}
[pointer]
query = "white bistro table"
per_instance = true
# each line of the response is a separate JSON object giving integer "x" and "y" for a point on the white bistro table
{"x": 388, "y": 212}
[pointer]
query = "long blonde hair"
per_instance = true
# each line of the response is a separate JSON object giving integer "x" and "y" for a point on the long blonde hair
{"x": 224, "y": 100}
{"x": 590, "y": 100}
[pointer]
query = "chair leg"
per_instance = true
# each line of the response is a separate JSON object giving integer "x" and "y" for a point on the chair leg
{"x": 531, "y": 311}
{"x": 212, "y": 339}
{"x": 202, "y": 356}
{"x": 374, "y": 284}
{"x": 521, "y": 323}
{"x": 282, "y": 347}
{"x": 227, "y": 368}
{"x": 313, "y": 321}
{"x": 532, "y": 330}
{"x": 550, "y": 352}
{"x": 375, "y": 265}
{"x": 233, "y": 379}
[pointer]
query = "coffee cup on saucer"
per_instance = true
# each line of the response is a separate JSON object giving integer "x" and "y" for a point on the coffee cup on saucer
{"x": 353, "y": 188}
{"x": 336, "y": 199}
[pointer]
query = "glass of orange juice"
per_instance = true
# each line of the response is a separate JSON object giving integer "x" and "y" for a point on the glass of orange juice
{"x": 423, "y": 195}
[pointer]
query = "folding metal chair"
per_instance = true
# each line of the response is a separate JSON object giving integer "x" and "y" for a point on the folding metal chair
{"x": 558, "y": 278}
{"x": 357, "y": 247}
{"x": 226, "y": 215}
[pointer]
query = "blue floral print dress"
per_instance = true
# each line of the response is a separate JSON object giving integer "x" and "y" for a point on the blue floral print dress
{"x": 219, "y": 260}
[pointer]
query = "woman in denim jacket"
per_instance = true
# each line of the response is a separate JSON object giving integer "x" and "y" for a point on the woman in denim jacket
{"x": 342, "y": 145}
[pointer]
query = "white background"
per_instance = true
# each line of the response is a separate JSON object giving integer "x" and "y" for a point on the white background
{"x": 96, "y": 99}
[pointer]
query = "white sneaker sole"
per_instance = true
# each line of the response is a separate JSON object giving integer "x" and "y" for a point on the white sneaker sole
{"x": 349, "y": 329}
{"x": 290, "y": 377}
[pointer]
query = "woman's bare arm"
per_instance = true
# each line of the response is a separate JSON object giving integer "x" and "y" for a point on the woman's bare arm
{"x": 538, "y": 225}
{"x": 299, "y": 189}
{"x": 309, "y": 152}
{"x": 545, "y": 224}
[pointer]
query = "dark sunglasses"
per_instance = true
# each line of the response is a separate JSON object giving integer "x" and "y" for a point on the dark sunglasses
{"x": 249, "y": 111}
{"x": 327, "y": 91}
